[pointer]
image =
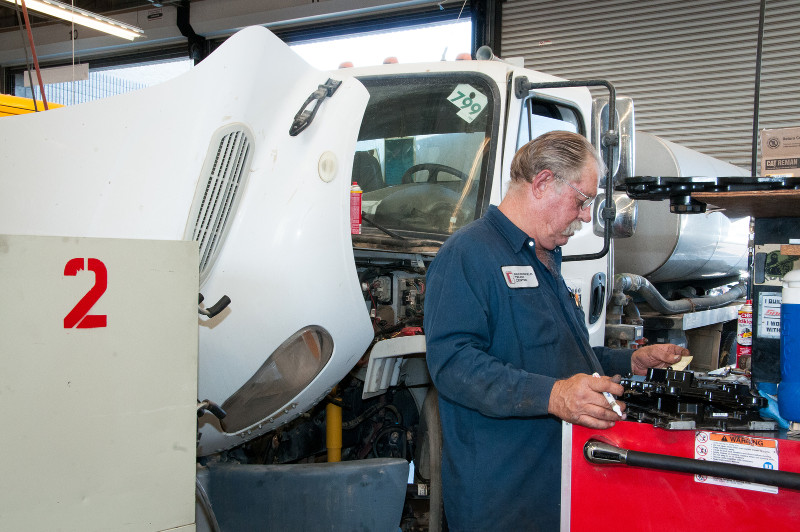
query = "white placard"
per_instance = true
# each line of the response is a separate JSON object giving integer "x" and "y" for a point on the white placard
{"x": 736, "y": 449}
{"x": 769, "y": 315}
{"x": 520, "y": 276}
{"x": 62, "y": 74}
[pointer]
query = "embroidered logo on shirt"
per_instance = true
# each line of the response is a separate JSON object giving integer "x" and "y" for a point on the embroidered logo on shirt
{"x": 520, "y": 276}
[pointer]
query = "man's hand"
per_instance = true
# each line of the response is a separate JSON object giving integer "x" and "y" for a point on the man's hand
{"x": 580, "y": 400}
{"x": 656, "y": 356}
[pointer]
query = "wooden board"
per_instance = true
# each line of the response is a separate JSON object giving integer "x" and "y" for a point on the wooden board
{"x": 758, "y": 204}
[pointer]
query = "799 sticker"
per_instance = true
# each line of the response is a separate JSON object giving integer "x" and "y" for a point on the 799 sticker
{"x": 468, "y": 100}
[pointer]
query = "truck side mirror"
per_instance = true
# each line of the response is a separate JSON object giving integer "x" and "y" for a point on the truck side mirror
{"x": 623, "y": 155}
{"x": 624, "y": 223}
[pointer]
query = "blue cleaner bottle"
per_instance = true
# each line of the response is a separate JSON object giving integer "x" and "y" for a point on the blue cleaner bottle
{"x": 789, "y": 388}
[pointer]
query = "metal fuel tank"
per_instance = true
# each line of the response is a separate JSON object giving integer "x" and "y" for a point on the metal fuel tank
{"x": 668, "y": 247}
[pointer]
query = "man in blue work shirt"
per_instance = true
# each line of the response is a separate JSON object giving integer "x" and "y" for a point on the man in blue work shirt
{"x": 508, "y": 349}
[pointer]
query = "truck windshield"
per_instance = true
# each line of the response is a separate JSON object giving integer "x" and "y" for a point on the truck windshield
{"x": 422, "y": 155}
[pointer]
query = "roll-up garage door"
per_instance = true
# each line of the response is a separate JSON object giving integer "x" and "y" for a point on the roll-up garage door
{"x": 688, "y": 65}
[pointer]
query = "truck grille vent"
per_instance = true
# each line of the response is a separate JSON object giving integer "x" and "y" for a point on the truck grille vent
{"x": 219, "y": 190}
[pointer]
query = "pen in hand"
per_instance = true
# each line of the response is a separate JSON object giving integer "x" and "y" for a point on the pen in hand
{"x": 610, "y": 398}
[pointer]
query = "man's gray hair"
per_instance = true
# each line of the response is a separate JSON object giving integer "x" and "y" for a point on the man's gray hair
{"x": 562, "y": 152}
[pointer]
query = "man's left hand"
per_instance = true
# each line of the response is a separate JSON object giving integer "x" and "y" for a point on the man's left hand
{"x": 656, "y": 356}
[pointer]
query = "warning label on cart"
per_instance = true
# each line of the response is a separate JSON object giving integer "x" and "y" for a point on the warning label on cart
{"x": 736, "y": 449}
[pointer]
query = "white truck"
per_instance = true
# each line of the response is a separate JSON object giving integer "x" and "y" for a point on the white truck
{"x": 252, "y": 154}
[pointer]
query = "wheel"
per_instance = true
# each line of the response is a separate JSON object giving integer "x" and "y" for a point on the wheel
{"x": 429, "y": 458}
{"x": 433, "y": 172}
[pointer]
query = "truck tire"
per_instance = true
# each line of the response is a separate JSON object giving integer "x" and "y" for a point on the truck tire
{"x": 431, "y": 428}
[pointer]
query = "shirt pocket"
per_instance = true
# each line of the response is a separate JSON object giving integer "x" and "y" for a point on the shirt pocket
{"x": 580, "y": 314}
{"x": 572, "y": 303}
{"x": 534, "y": 318}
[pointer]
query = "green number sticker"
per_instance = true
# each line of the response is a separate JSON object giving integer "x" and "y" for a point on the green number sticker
{"x": 469, "y": 101}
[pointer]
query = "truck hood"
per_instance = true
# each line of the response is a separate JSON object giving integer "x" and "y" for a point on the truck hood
{"x": 209, "y": 157}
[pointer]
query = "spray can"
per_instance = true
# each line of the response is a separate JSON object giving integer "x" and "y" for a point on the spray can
{"x": 355, "y": 209}
{"x": 789, "y": 388}
{"x": 744, "y": 336}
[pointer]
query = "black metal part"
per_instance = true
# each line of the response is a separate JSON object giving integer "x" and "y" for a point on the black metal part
{"x": 673, "y": 399}
{"x": 198, "y": 45}
{"x": 757, "y": 89}
{"x": 602, "y": 453}
{"x": 769, "y": 233}
{"x": 678, "y": 190}
{"x": 597, "y": 297}
{"x": 486, "y": 18}
{"x": 213, "y": 408}
{"x": 304, "y": 116}
{"x": 216, "y": 308}
{"x": 609, "y": 140}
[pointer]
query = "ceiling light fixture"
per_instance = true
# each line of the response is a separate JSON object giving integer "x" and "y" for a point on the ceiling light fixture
{"x": 81, "y": 16}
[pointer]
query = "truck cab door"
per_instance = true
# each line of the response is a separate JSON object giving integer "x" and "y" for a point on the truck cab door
{"x": 568, "y": 109}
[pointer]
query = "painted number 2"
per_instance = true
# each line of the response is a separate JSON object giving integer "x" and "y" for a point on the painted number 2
{"x": 79, "y": 316}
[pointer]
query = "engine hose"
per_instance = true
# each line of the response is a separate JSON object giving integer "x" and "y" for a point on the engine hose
{"x": 369, "y": 412}
{"x": 630, "y": 282}
{"x": 205, "y": 503}
{"x": 353, "y": 423}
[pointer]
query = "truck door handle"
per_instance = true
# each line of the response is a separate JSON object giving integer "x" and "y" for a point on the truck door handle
{"x": 597, "y": 298}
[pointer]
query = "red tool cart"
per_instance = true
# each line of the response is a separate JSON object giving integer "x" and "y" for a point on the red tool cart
{"x": 625, "y": 493}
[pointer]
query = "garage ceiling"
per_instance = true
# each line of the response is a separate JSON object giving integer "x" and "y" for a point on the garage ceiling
{"x": 8, "y": 16}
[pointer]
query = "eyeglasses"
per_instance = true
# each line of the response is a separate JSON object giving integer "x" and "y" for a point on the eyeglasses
{"x": 586, "y": 203}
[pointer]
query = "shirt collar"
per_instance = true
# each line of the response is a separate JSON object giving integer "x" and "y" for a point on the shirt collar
{"x": 513, "y": 234}
{"x": 516, "y": 237}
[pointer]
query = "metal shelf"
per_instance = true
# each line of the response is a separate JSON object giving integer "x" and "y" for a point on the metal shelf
{"x": 760, "y": 197}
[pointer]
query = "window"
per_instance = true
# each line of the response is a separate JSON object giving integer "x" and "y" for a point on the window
{"x": 409, "y": 44}
{"x": 540, "y": 116}
{"x": 103, "y": 81}
{"x": 422, "y": 156}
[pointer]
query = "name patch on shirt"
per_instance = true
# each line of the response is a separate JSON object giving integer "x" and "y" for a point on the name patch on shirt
{"x": 520, "y": 276}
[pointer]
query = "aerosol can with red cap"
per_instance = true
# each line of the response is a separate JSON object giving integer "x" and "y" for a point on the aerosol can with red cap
{"x": 744, "y": 336}
{"x": 355, "y": 209}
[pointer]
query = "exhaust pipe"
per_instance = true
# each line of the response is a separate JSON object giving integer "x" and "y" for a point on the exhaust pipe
{"x": 630, "y": 282}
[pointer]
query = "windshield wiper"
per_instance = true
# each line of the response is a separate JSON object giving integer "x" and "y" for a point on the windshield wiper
{"x": 371, "y": 222}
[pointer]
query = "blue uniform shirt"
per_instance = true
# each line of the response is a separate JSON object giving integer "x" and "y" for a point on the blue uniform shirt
{"x": 500, "y": 330}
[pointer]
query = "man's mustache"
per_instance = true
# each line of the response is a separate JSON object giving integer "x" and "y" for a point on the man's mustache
{"x": 573, "y": 228}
